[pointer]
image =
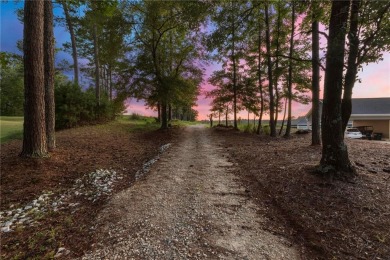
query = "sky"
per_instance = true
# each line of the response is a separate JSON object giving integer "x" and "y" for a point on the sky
{"x": 375, "y": 77}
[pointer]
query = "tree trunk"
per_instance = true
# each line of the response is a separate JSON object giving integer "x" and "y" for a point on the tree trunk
{"x": 335, "y": 161}
{"x": 270, "y": 78}
{"x": 164, "y": 116}
{"x": 315, "y": 124}
{"x": 159, "y": 112}
{"x": 227, "y": 112}
{"x": 110, "y": 81}
{"x": 290, "y": 66}
{"x": 49, "y": 75}
{"x": 284, "y": 118}
{"x": 72, "y": 40}
{"x": 219, "y": 118}
{"x": 169, "y": 113}
{"x": 276, "y": 76}
{"x": 97, "y": 70}
{"x": 259, "y": 79}
{"x": 34, "y": 129}
{"x": 234, "y": 74}
{"x": 350, "y": 75}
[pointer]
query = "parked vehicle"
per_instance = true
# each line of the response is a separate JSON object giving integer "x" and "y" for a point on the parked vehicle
{"x": 353, "y": 133}
{"x": 366, "y": 131}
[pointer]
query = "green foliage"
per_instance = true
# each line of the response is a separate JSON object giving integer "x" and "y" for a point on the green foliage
{"x": 266, "y": 129}
{"x": 76, "y": 107}
{"x": 135, "y": 116}
{"x": 11, "y": 84}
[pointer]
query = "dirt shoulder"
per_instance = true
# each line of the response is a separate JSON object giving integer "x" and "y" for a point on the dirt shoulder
{"x": 52, "y": 203}
{"x": 189, "y": 206}
{"x": 335, "y": 220}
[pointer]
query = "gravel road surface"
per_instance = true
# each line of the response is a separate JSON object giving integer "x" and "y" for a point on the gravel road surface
{"x": 189, "y": 206}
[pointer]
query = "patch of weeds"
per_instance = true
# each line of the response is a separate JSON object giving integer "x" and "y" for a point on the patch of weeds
{"x": 50, "y": 255}
{"x": 18, "y": 256}
{"x": 68, "y": 221}
{"x": 135, "y": 116}
{"x": 52, "y": 235}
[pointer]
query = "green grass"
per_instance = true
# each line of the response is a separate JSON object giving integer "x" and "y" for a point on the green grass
{"x": 180, "y": 123}
{"x": 10, "y": 128}
{"x": 139, "y": 123}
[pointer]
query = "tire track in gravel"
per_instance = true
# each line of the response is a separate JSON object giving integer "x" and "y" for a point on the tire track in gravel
{"x": 189, "y": 206}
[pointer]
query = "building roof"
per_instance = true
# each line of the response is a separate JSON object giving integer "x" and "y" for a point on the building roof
{"x": 371, "y": 106}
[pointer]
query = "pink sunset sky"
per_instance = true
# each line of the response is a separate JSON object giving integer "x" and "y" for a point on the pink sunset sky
{"x": 374, "y": 77}
{"x": 375, "y": 82}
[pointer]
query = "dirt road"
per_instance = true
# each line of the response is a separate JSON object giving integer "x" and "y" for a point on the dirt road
{"x": 189, "y": 206}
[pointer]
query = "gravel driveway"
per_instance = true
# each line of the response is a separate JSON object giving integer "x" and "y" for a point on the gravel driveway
{"x": 189, "y": 206}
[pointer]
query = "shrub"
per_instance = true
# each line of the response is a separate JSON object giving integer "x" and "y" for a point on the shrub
{"x": 76, "y": 107}
{"x": 266, "y": 130}
{"x": 135, "y": 116}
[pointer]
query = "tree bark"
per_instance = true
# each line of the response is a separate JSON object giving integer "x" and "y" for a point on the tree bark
{"x": 159, "y": 112}
{"x": 97, "y": 70}
{"x": 164, "y": 117}
{"x": 169, "y": 113}
{"x": 34, "y": 129}
{"x": 284, "y": 119}
{"x": 259, "y": 80}
{"x": 110, "y": 80}
{"x": 270, "y": 78}
{"x": 69, "y": 23}
{"x": 234, "y": 74}
{"x": 49, "y": 75}
{"x": 335, "y": 161}
{"x": 315, "y": 109}
{"x": 277, "y": 97}
{"x": 290, "y": 66}
{"x": 352, "y": 66}
{"x": 226, "y": 118}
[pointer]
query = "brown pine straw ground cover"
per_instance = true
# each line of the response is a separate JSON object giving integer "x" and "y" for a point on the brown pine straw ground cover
{"x": 117, "y": 145}
{"x": 330, "y": 220}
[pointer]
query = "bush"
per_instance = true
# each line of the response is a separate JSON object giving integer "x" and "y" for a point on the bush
{"x": 266, "y": 130}
{"x": 75, "y": 107}
{"x": 135, "y": 116}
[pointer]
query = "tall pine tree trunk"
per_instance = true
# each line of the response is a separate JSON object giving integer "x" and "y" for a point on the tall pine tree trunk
{"x": 350, "y": 75}
{"x": 290, "y": 66}
{"x": 34, "y": 129}
{"x": 97, "y": 66}
{"x": 234, "y": 73}
{"x": 69, "y": 23}
{"x": 276, "y": 76}
{"x": 284, "y": 117}
{"x": 159, "y": 112}
{"x": 169, "y": 113}
{"x": 335, "y": 161}
{"x": 226, "y": 116}
{"x": 270, "y": 78}
{"x": 315, "y": 122}
{"x": 164, "y": 116}
{"x": 259, "y": 79}
{"x": 49, "y": 75}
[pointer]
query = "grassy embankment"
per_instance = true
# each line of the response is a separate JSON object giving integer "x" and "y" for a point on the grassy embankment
{"x": 11, "y": 127}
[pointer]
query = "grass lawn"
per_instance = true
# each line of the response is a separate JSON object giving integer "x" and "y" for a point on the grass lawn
{"x": 11, "y": 127}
